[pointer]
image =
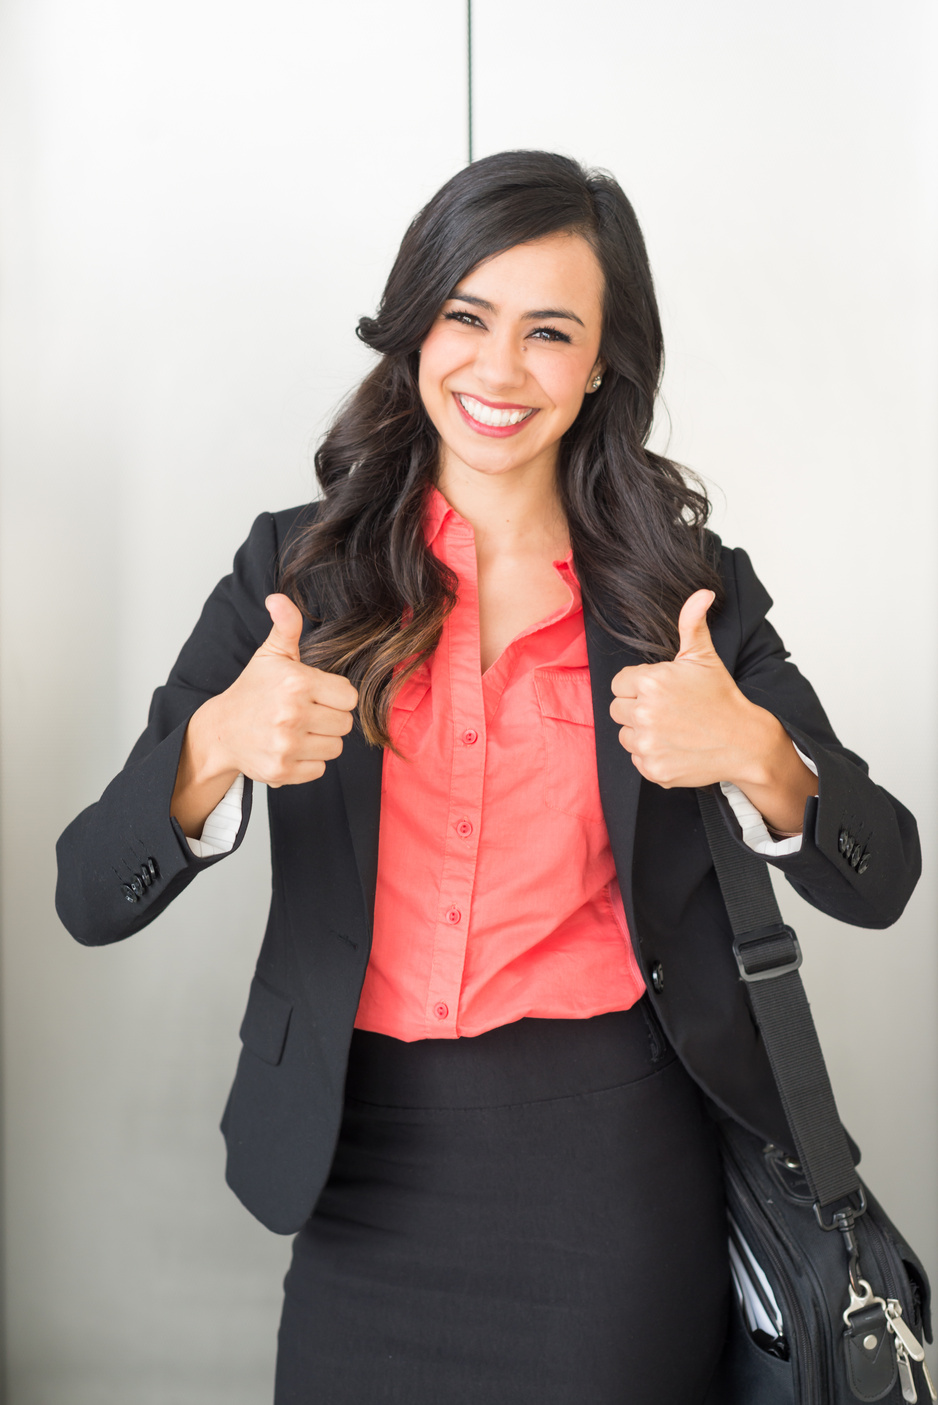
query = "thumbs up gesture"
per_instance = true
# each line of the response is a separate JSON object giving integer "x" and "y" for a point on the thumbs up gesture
{"x": 279, "y": 722}
{"x": 686, "y": 723}
{"x": 284, "y": 720}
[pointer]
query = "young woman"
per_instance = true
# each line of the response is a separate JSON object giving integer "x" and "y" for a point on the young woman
{"x": 496, "y": 1006}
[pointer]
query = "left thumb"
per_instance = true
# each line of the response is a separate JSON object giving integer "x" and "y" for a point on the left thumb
{"x": 692, "y": 625}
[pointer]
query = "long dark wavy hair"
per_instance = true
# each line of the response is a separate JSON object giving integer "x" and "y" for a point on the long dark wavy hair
{"x": 361, "y": 569}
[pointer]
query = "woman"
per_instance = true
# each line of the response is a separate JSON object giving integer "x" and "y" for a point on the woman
{"x": 496, "y": 1002}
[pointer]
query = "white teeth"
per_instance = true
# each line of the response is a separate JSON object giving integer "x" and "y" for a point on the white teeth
{"x": 496, "y": 419}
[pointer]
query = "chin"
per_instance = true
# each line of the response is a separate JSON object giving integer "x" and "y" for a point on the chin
{"x": 489, "y": 462}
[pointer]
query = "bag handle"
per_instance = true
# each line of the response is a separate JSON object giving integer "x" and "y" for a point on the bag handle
{"x": 768, "y": 956}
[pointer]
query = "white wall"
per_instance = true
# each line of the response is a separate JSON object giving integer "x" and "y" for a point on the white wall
{"x": 782, "y": 161}
{"x": 200, "y": 200}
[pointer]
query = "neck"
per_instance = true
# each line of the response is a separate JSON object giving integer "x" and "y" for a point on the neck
{"x": 508, "y": 512}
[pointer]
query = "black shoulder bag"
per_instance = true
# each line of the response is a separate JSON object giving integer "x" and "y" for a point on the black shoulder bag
{"x": 831, "y": 1303}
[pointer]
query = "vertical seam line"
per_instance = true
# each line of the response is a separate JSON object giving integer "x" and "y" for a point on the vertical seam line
{"x": 469, "y": 76}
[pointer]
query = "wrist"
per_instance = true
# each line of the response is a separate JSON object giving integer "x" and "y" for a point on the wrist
{"x": 204, "y": 759}
{"x": 772, "y": 775}
{"x": 760, "y": 748}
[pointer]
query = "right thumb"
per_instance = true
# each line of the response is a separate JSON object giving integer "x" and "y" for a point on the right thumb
{"x": 284, "y": 638}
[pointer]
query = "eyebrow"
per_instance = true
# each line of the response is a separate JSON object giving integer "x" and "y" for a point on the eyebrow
{"x": 534, "y": 316}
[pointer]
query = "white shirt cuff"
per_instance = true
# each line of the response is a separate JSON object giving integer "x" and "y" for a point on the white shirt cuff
{"x": 221, "y": 828}
{"x": 753, "y": 826}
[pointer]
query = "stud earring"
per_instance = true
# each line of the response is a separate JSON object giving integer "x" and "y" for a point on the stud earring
{"x": 597, "y": 382}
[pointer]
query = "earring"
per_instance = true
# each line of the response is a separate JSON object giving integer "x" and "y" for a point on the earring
{"x": 597, "y": 382}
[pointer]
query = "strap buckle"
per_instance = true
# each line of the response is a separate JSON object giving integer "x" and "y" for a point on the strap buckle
{"x": 766, "y": 953}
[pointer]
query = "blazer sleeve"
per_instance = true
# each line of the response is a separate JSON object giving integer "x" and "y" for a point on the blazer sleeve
{"x": 860, "y": 857}
{"x": 124, "y": 858}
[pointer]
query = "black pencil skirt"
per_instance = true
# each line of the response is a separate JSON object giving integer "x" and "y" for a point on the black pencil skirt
{"x": 530, "y": 1217}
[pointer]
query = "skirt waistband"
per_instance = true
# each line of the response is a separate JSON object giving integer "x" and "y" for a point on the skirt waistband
{"x": 528, "y": 1061}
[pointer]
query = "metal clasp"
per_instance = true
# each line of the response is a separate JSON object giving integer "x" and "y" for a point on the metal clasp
{"x": 861, "y": 1296}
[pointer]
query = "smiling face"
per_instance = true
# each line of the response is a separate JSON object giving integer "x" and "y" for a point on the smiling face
{"x": 513, "y": 350}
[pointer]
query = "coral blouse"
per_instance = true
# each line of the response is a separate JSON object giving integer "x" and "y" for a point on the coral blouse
{"x": 497, "y": 895}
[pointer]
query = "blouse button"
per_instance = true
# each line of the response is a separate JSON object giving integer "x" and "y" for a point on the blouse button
{"x": 441, "y": 1011}
{"x": 464, "y": 828}
{"x": 470, "y": 735}
{"x": 453, "y": 915}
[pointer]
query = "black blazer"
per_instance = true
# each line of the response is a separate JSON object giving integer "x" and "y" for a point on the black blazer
{"x": 124, "y": 858}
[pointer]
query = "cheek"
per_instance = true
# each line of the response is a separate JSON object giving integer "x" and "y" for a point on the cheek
{"x": 564, "y": 382}
{"x": 440, "y": 356}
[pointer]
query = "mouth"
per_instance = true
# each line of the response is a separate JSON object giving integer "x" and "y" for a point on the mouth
{"x": 498, "y": 421}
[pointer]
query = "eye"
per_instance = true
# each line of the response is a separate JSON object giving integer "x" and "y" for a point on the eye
{"x": 549, "y": 334}
{"x": 467, "y": 319}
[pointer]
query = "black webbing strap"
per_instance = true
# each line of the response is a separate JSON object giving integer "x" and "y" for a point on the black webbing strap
{"x": 768, "y": 956}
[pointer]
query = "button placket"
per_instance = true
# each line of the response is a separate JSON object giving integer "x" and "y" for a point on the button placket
{"x": 457, "y": 875}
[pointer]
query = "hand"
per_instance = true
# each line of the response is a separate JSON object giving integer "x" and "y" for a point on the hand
{"x": 683, "y": 722}
{"x": 279, "y": 722}
{"x": 686, "y": 723}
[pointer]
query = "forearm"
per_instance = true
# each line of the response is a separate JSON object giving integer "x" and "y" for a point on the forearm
{"x": 202, "y": 779}
{"x": 771, "y": 773}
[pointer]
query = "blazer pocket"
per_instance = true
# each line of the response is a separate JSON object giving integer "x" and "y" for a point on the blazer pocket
{"x": 266, "y": 1021}
{"x": 565, "y": 702}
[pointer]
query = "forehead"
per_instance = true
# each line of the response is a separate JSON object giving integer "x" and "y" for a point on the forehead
{"x": 560, "y": 270}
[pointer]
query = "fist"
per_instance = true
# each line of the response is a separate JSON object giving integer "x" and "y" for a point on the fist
{"x": 682, "y": 721}
{"x": 281, "y": 721}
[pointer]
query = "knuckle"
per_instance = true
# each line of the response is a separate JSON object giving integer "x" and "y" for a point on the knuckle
{"x": 277, "y": 766}
{"x": 653, "y": 769}
{"x": 661, "y": 773}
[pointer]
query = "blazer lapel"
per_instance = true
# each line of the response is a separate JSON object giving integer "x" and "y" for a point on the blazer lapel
{"x": 619, "y": 782}
{"x": 359, "y": 769}
{"x": 359, "y": 766}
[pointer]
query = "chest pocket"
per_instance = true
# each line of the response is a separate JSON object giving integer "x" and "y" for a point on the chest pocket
{"x": 565, "y": 703}
{"x": 411, "y": 712}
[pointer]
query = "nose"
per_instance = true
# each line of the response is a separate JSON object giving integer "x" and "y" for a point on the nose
{"x": 500, "y": 363}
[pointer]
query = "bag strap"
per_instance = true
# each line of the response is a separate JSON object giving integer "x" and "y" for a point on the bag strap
{"x": 768, "y": 956}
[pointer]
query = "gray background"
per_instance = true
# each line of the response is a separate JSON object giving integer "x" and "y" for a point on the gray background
{"x": 199, "y": 200}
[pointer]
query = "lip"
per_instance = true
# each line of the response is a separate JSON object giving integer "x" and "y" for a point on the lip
{"x": 493, "y": 431}
{"x": 493, "y": 404}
